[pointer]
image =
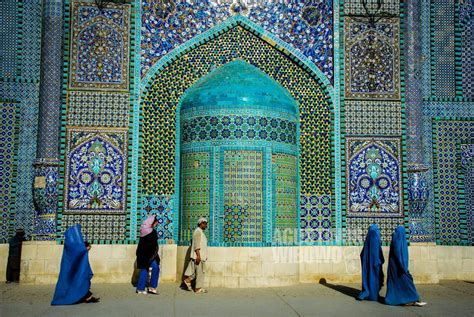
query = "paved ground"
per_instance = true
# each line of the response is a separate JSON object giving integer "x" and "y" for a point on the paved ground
{"x": 446, "y": 299}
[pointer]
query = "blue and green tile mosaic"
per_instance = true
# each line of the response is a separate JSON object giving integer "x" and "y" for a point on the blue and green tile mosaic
{"x": 373, "y": 173}
{"x": 466, "y": 187}
{"x": 162, "y": 207}
{"x": 442, "y": 110}
{"x": 195, "y": 191}
{"x": 232, "y": 127}
{"x": 450, "y": 219}
{"x": 162, "y": 96}
{"x": 100, "y": 47}
{"x": 95, "y": 171}
{"x": 97, "y": 228}
{"x": 306, "y": 25}
{"x": 285, "y": 169}
{"x": 8, "y": 144}
{"x": 27, "y": 96}
{"x": 98, "y": 109}
{"x": 373, "y": 118}
{"x": 356, "y": 228}
{"x": 316, "y": 223}
{"x": 372, "y": 59}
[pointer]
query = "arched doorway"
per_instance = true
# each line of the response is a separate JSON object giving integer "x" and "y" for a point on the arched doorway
{"x": 239, "y": 158}
{"x": 160, "y": 127}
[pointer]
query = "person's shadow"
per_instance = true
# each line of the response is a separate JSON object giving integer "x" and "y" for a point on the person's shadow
{"x": 135, "y": 274}
{"x": 187, "y": 259}
{"x": 346, "y": 290}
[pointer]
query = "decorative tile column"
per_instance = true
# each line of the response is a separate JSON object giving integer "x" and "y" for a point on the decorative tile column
{"x": 45, "y": 186}
{"x": 418, "y": 190}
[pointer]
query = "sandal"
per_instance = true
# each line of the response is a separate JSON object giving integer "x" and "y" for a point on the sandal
{"x": 201, "y": 290}
{"x": 92, "y": 299}
{"x": 419, "y": 304}
{"x": 188, "y": 285}
{"x": 153, "y": 291}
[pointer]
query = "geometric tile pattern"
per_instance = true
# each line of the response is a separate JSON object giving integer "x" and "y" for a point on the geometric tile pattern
{"x": 195, "y": 191}
{"x": 99, "y": 47}
{"x": 161, "y": 98}
{"x": 8, "y": 34}
{"x": 450, "y": 218}
{"x": 413, "y": 62}
{"x": 356, "y": 229}
{"x": 373, "y": 173}
{"x": 45, "y": 193}
{"x": 162, "y": 207}
{"x": 243, "y": 196}
{"x": 315, "y": 218}
{"x": 97, "y": 227}
{"x": 285, "y": 167}
{"x": 51, "y": 80}
{"x": 234, "y": 218}
{"x": 373, "y": 117}
{"x": 29, "y": 33}
{"x": 305, "y": 25}
{"x": 467, "y": 187}
{"x": 467, "y": 40}
{"x": 21, "y": 48}
{"x": 27, "y": 112}
{"x": 442, "y": 110}
{"x": 95, "y": 173}
{"x": 372, "y": 59}
{"x": 443, "y": 47}
{"x": 233, "y": 127}
{"x": 425, "y": 21}
{"x": 355, "y": 7}
{"x": 8, "y": 123}
{"x": 98, "y": 109}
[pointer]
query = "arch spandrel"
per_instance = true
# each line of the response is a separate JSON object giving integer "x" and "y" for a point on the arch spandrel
{"x": 167, "y": 86}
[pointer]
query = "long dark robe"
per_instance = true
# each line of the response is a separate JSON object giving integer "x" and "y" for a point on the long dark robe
{"x": 147, "y": 250}
{"x": 14, "y": 258}
{"x": 75, "y": 275}
{"x": 371, "y": 259}
{"x": 400, "y": 287}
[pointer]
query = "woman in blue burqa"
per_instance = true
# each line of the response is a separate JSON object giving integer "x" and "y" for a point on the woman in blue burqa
{"x": 371, "y": 259}
{"x": 400, "y": 287}
{"x": 75, "y": 275}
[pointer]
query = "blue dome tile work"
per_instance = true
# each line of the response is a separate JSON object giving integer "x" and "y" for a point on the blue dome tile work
{"x": 238, "y": 83}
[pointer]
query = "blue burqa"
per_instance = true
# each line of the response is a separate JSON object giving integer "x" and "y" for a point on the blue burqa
{"x": 75, "y": 275}
{"x": 400, "y": 287}
{"x": 371, "y": 259}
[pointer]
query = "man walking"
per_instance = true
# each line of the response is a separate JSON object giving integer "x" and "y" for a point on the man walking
{"x": 196, "y": 267}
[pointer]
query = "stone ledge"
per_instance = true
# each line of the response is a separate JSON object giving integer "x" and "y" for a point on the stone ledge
{"x": 245, "y": 267}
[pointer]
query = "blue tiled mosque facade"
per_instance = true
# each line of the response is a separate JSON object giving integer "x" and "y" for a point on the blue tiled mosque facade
{"x": 285, "y": 122}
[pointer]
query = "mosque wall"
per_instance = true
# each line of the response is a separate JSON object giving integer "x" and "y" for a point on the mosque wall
{"x": 447, "y": 119}
{"x": 95, "y": 120}
{"x": 19, "y": 97}
{"x": 373, "y": 112}
{"x": 126, "y": 67}
{"x": 241, "y": 267}
{"x": 238, "y": 40}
